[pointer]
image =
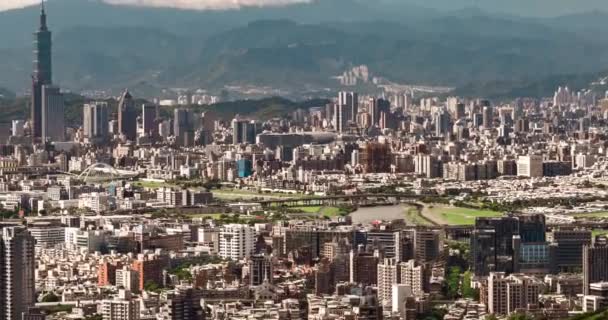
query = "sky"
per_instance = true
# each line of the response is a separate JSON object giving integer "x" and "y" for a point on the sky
{"x": 186, "y": 4}
{"x": 515, "y": 7}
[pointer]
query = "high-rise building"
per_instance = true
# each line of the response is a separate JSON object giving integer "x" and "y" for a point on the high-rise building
{"x": 122, "y": 307}
{"x": 341, "y": 117}
{"x": 95, "y": 120}
{"x": 442, "y": 123}
{"x": 244, "y": 130}
{"x": 236, "y": 241}
{"x": 127, "y": 278}
{"x": 17, "y": 265}
{"x": 388, "y": 275}
{"x": 595, "y": 265}
{"x": 53, "y": 114}
{"x": 506, "y": 294}
{"x": 127, "y": 116}
{"x": 149, "y": 114}
{"x": 47, "y": 234}
{"x": 426, "y": 245}
{"x": 492, "y": 244}
{"x": 351, "y": 101}
{"x": 43, "y": 72}
{"x": 376, "y": 108}
{"x": 488, "y": 117}
{"x": 569, "y": 248}
{"x": 183, "y": 127}
{"x": 260, "y": 269}
{"x": 182, "y": 304}
{"x": 412, "y": 275}
{"x": 363, "y": 267}
{"x": 150, "y": 269}
{"x": 530, "y": 166}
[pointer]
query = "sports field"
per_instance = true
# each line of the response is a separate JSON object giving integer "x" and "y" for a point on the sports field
{"x": 449, "y": 215}
{"x": 601, "y": 214}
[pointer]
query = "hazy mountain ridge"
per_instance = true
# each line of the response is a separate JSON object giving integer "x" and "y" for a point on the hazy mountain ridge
{"x": 125, "y": 46}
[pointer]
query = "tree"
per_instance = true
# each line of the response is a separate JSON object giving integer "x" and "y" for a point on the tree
{"x": 520, "y": 316}
{"x": 467, "y": 290}
{"x": 51, "y": 297}
{"x": 151, "y": 286}
{"x": 453, "y": 282}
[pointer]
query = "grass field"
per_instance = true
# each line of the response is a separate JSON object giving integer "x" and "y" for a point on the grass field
{"x": 601, "y": 214}
{"x": 456, "y": 215}
{"x": 205, "y": 215}
{"x": 597, "y": 232}
{"x": 152, "y": 184}
{"x": 323, "y": 211}
{"x": 235, "y": 194}
{"x": 414, "y": 217}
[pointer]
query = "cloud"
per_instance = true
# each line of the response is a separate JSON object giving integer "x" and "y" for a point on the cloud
{"x": 206, "y": 4}
{"x": 182, "y": 4}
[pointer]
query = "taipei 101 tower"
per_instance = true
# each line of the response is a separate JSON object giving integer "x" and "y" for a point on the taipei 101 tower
{"x": 42, "y": 72}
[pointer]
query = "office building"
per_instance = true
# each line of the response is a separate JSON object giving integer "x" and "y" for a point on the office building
{"x": 236, "y": 241}
{"x": 47, "y": 234}
{"x": 595, "y": 265}
{"x": 127, "y": 116}
{"x": 341, "y": 118}
{"x": 43, "y": 74}
{"x": 569, "y": 248}
{"x": 351, "y": 101}
{"x": 244, "y": 131}
{"x": 17, "y": 265}
{"x": 260, "y": 269}
{"x": 492, "y": 245}
{"x": 96, "y": 120}
{"x": 530, "y": 166}
{"x": 376, "y": 108}
{"x": 149, "y": 114}
{"x": 426, "y": 245}
{"x": 363, "y": 267}
{"x": 53, "y": 114}
{"x": 183, "y": 127}
{"x": 488, "y": 117}
{"x": 442, "y": 123}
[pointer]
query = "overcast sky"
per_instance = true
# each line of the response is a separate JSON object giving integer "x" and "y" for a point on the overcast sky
{"x": 518, "y": 7}
{"x": 194, "y": 4}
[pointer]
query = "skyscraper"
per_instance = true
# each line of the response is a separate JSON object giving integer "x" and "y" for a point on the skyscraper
{"x": 148, "y": 119}
{"x": 53, "y": 114}
{"x": 244, "y": 130}
{"x": 42, "y": 72}
{"x": 595, "y": 265}
{"x": 17, "y": 286}
{"x": 95, "y": 120}
{"x": 351, "y": 101}
{"x": 183, "y": 127}
{"x": 127, "y": 116}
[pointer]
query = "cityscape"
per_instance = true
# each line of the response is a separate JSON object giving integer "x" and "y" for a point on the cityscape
{"x": 376, "y": 200}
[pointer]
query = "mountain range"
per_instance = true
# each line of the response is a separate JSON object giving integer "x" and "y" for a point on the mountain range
{"x": 98, "y": 45}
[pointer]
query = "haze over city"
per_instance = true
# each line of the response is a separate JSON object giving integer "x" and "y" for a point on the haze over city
{"x": 314, "y": 160}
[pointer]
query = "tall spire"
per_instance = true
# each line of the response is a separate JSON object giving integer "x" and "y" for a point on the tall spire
{"x": 43, "y": 26}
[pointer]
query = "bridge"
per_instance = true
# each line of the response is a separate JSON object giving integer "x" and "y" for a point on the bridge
{"x": 357, "y": 199}
{"x": 100, "y": 172}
